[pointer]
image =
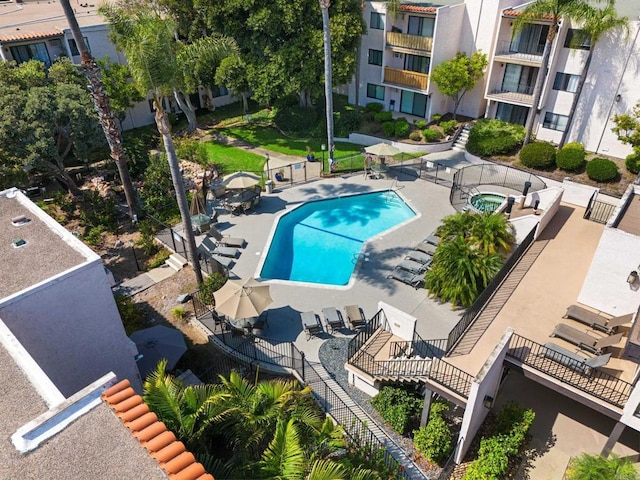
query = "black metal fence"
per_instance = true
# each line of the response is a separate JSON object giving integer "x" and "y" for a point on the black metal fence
{"x": 597, "y": 211}
{"x": 467, "y": 179}
{"x": 474, "y": 310}
{"x": 168, "y": 235}
{"x": 592, "y": 381}
{"x": 429, "y": 170}
{"x": 451, "y": 377}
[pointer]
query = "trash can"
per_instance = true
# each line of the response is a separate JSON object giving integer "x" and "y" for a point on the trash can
{"x": 268, "y": 186}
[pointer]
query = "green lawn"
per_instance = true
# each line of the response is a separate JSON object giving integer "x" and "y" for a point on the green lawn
{"x": 233, "y": 159}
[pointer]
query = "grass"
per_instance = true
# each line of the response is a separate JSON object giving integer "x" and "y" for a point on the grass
{"x": 233, "y": 159}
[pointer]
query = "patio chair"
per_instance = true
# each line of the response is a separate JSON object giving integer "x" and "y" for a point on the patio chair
{"x": 420, "y": 257}
{"x": 595, "y": 320}
{"x": 226, "y": 240}
{"x": 583, "y": 340}
{"x": 226, "y": 251}
{"x": 412, "y": 266}
{"x": 226, "y": 262}
{"x": 355, "y": 316}
{"x": 574, "y": 361}
{"x": 425, "y": 247}
{"x": 413, "y": 279}
{"x": 433, "y": 239}
{"x": 310, "y": 323}
{"x": 333, "y": 318}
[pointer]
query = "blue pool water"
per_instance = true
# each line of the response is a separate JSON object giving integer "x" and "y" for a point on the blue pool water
{"x": 319, "y": 241}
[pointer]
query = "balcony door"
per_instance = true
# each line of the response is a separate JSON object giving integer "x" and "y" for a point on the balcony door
{"x": 413, "y": 103}
{"x": 421, "y": 26}
{"x": 512, "y": 113}
{"x": 519, "y": 78}
{"x": 530, "y": 39}
{"x": 416, "y": 63}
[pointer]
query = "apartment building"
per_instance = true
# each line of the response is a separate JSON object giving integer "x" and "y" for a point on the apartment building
{"x": 32, "y": 29}
{"x": 56, "y": 299}
{"x": 399, "y": 53}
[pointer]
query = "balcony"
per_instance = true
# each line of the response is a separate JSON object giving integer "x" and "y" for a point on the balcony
{"x": 522, "y": 53}
{"x": 410, "y": 42}
{"x": 521, "y": 94}
{"x": 406, "y": 78}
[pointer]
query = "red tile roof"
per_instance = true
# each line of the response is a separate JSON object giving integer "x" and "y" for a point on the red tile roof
{"x": 417, "y": 9}
{"x": 20, "y": 37}
{"x": 162, "y": 445}
{"x": 515, "y": 13}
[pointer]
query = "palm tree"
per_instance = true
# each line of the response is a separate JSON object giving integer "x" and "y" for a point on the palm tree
{"x": 326, "y": 34}
{"x": 599, "y": 22}
{"x": 599, "y": 467}
{"x": 148, "y": 43}
{"x": 458, "y": 224}
{"x": 571, "y": 10}
{"x": 491, "y": 233}
{"x": 111, "y": 128}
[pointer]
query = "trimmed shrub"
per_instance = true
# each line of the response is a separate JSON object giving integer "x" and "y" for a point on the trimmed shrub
{"x": 382, "y": 117}
{"x": 434, "y": 441}
{"x": 389, "y": 128}
{"x": 494, "y": 137}
{"x": 158, "y": 259}
{"x": 449, "y": 126}
{"x": 373, "y": 107}
{"x": 397, "y": 407}
{"x": 632, "y": 162}
{"x": 212, "y": 283}
{"x": 402, "y": 129}
{"x": 131, "y": 314}
{"x": 431, "y": 135}
{"x": 93, "y": 236}
{"x": 571, "y": 157}
{"x": 538, "y": 155}
{"x": 415, "y": 136}
{"x": 436, "y": 117}
{"x": 179, "y": 312}
{"x": 420, "y": 124}
{"x": 601, "y": 170}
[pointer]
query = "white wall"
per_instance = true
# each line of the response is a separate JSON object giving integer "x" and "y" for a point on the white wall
{"x": 71, "y": 327}
{"x": 372, "y": 39}
{"x": 399, "y": 323}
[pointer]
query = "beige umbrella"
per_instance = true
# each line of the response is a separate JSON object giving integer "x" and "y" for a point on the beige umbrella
{"x": 242, "y": 298}
{"x": 240, "y": 180}
{"x": 382, "y": 149}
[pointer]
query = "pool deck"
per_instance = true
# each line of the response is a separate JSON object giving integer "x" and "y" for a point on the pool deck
{"x": 369, "y": 283}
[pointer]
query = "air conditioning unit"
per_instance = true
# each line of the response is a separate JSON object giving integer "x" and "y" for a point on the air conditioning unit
{"x": 398, "y": 55}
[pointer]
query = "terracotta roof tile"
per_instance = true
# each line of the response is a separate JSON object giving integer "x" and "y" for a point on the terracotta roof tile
{"x": 417, "y": 9}
{"x": 29, "y": 36}
{"x": 515, "y": 13}
{"x": 162, "y": 445}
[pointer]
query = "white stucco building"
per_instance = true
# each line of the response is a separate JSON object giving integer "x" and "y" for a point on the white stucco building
{"x": 399, "y": 54}
{"x": 55, "y": 298}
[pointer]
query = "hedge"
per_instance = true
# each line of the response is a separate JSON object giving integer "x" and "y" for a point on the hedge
{"x": 632, "y": 162}
{"x": 431, "y": 135}
{"x": 382, "y": 117}
{"x": 571, "y": 157}
{"x": 435, "y": 440}
{"x": 601, "y": 170}
{"x": 389, "y": 128}
{"x": 538, "y": 155}
{"x": 373, "y": 107}
{"x": 449, "y": 126}
{"x": 397, "y": 407}
{"x": 494, "y": 137}
{"x": 402, "y": 129}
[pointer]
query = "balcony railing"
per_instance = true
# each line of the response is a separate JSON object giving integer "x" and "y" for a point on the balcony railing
{"x": 454, "y": 379}
{"x": 594, "y": 382}
{"x": 523, "y": 89}
{"x": 406, "y": 78}
{"x": 413, "y": 42}
{"x": 531, "y": 52}
{"x": 518, "y": 93}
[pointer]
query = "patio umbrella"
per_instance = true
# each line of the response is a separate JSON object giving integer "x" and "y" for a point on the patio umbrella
{"x": 242, "y": 298}
{"x": 382, "y": 150}
{"x": 155, "y": 343}
{"x": 240, "y": 180}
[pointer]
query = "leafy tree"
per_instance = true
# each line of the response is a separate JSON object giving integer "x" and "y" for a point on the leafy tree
{"x": 47, "y": 118}
{"x": 122, "y": 92}
{"x": 586, "y": 467}
{"x": 574, "y": 11}
{"x": 232, "y": 73}
{"x": 459, "y": 75}
{"x": 598, "y": 22}
{"x": 628, "y": 130}
{"x": 157, "y": 190}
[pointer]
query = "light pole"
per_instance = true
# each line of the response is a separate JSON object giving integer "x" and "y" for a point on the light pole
{"x": 323, "y": 147}
{"x": 135, "y": 257}
{"x": 266, "y": 157}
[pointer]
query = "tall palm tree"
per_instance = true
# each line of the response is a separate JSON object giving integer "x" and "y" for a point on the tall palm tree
{"x": 573, "y": 10}
{"x": 326, "y": 35}
{"x": 597, "y": 23}
{"x": 147, "y": 41}
{"x": 111, "y": 128}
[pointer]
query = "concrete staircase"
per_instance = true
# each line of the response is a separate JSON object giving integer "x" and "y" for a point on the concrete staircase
{"x": 461, "y": 142}
{"x": 177, "y": 262}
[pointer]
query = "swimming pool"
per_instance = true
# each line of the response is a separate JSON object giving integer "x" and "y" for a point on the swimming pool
{"x": 319, "y": 242}
{"x": 487, "y": 202}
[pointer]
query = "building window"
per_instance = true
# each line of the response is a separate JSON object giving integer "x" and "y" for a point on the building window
{"x": 217, "y": 91}
{"x": 73, "y": 46}
{"x": 377, "y": 21}
{"x": 416, "y": 63}
{"x": 413, "y": 103}
{"x": 577, "y": 38}
{"x": 512, "y": 113}
{"x": 554, "y": 121}
{"x": 530, "y": 40}
{"x": 375, "y": 57}
{"x": 566, "y": 82}
{"x": 421, "y": 26}
{"x": 35, "y": 51}
{"x": 375, "y": 91}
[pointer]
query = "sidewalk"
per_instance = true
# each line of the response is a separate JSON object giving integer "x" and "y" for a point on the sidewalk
{"x": 145, "y": 280}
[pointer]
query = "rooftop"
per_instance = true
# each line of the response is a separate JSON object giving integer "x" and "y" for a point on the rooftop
{"x": 49, "y": 250}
